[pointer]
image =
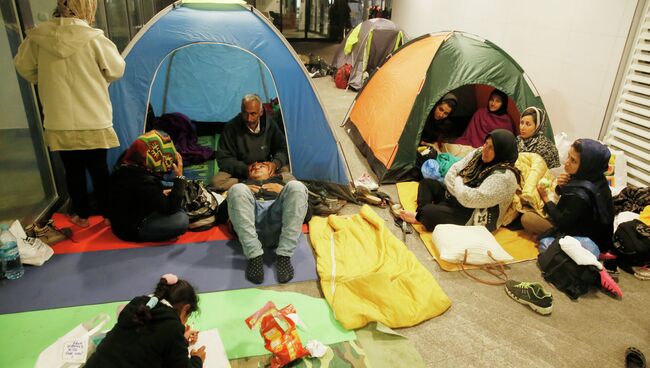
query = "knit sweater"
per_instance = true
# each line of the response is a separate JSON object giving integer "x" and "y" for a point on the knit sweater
{"x": 239, "y": 147}
{"x": 160, "y": 343}
{"x": 134, "y": 194}
{"x": 497, "y": 189}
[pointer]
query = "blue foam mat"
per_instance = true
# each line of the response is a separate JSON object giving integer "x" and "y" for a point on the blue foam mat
{"x": 115, "y": 275}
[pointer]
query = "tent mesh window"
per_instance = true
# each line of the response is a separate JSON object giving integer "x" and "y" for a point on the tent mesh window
{"x": 629, "y": 125}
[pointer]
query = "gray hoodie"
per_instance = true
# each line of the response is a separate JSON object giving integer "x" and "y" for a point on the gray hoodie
{"x": 72, "y": 63}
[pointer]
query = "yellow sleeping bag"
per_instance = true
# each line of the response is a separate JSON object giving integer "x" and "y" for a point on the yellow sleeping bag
{"x": 367, "y": 274}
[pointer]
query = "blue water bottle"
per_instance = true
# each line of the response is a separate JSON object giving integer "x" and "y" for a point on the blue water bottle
{"x": 13, "y": 268}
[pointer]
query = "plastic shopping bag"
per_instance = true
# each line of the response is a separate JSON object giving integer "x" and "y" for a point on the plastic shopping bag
{"x": 33, "y": 251}
{"x": 73, "y": 349}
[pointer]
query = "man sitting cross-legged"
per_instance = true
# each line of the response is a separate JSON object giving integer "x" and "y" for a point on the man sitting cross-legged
{"x": 263, "y": 211}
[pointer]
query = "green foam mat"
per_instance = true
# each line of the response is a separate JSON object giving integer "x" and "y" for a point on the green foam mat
{"x": 25, "y": 335}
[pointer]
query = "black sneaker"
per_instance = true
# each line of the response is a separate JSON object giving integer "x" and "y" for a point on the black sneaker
{"x": 255, "y": 270}
{"x": 531, "y": 294}
{"x": 285, "y": 269}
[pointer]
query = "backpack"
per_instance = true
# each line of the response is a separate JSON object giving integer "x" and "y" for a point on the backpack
{"x": 632, "y": 244}
{"x": 201, "y": 206}
{"x": 342, "y": 76}
{"x": 560, "y": 270}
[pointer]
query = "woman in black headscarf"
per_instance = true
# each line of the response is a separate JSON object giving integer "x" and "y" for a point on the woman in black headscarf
{"x": 478, "y": 190}
{"x": 487, "y": 119}
{"x": 585, "y": 207}
{"x": 438, "y": 127}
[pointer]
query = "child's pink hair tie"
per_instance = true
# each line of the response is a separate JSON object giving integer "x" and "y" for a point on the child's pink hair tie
{"x": 170, "y": 278}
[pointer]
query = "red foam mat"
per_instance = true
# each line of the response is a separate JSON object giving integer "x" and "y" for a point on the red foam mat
{"x": 98, "y": 236}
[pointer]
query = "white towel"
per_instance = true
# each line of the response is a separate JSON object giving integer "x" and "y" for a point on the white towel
{"x": 571, "y": 246}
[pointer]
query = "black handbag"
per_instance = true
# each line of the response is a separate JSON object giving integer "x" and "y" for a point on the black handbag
{"x": 632, "y": 244}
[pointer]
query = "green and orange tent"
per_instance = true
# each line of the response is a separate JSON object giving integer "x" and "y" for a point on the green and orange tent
{"x": 387, "y": 117}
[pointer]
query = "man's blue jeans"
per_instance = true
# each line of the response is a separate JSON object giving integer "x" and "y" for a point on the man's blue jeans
{"x": 275, "y": 223}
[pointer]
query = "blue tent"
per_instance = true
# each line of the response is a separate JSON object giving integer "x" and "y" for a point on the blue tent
{"x": 200, "y": 58}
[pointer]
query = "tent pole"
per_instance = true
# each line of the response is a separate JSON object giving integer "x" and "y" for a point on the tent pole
{"x": 167, "y": 74}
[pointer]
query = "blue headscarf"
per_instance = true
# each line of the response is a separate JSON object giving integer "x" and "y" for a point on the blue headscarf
{"x": 589, "y": 182}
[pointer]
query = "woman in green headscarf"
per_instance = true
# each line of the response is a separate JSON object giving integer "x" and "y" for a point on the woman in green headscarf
{"x": 139, "y": 206}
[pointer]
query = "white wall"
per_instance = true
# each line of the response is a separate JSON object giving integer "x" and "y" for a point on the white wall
{"x": 571, "y": 49}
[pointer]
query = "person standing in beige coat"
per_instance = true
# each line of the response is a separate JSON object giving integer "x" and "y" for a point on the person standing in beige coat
{"x": 73, "y": 64}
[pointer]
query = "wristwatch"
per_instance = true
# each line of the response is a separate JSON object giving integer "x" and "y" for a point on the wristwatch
{"x": 181, "y": 177}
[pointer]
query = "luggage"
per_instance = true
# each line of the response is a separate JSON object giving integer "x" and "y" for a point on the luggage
{"x": 632, "y": 244}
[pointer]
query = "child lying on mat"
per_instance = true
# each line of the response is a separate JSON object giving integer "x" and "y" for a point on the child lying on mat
{"x": 151, "y": 331}
{"x": 264, "y": 211}
{"x": 479, "y": 188}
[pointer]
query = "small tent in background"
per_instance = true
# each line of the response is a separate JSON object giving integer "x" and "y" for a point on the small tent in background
{"x": 387, "y": 117}
{"x": 199, "y": 57}
{"x": 366, "y": 47}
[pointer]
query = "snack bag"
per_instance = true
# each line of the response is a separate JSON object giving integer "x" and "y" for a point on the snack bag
{"x": 279, "y": 333}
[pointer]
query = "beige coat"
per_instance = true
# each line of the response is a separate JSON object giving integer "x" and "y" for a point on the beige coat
{"x": 73, "y": 64}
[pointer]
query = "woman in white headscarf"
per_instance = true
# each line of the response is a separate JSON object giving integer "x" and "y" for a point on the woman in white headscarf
{"x": 73, "y": 64}
{"x": 532, "y": 139}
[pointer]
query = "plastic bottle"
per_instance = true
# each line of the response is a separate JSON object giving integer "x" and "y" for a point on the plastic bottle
{"x": 12, "y": 267}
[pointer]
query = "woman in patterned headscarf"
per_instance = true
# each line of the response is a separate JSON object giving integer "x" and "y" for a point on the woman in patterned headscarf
{"x": 73, "y": 64}
{"x": 532, "y": 139}
{"x": 139, "y": 206}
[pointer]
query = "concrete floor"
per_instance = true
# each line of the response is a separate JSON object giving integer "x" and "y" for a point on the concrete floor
{"x": 484, "y": 327}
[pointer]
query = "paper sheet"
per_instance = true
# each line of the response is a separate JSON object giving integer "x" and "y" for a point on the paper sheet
{"x": 215, "y": 354}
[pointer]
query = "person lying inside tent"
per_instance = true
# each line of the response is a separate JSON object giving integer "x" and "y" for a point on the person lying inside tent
{"x": 248, "y": 139}
{"x": 264, "y": 212}
{"x": 487, "y": 119}
{"x": 479, "y": 188}
{"x": 532, "y": 139}
{"x": 585, "y": 207}
{"x": 437, "y": 127}
{"x": 139, "y": 207}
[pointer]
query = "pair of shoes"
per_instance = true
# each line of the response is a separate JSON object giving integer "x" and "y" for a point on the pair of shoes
{"x": 608, "y": 284}
{"x": 642, "y": 273}
{"x": 285, "y": 269}
{"x": 531, "y": 294}
{"x": 328, "y": 206}
{"x": 607, "y": 256}
{"x": 48, "y": 233}
{"x": 255, "y": 270}
{"x": 364, "y": 195}
{"x": 634, "y": 358}
{"x": 81, "y": 222}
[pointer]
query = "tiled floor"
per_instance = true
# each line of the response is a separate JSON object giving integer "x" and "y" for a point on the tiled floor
{"x": 484, "y": 327}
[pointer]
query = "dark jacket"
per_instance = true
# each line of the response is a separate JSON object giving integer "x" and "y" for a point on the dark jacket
{"x": 265, "y": 194}
{"x": 134, "y": 194}
{"x": 160, "y": 343}
{"x": 239, "y": 147}
{"x": 574, "y": 216}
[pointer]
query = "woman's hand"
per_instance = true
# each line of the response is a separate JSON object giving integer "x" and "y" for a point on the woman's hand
{"x": 562, "y": 179}
{"x": 541, "y": 189}
{"x": 177, "y": 167}
{"x": 200, "y": 352}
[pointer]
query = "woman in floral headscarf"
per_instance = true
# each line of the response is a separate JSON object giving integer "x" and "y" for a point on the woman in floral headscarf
{"x": 139, "y": 206}
{"x": 73, "y": 64}
{"x": 532, "y": 139}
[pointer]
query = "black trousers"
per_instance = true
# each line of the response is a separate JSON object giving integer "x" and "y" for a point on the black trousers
{"x": 76, "y": 163}
{"x": 436, "y": 207}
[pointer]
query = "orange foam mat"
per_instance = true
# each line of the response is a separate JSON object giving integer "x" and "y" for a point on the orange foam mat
{"x": 520, "y": 245}
{"x": 98, "y": 236}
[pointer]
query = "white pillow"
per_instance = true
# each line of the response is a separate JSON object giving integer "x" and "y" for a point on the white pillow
{"x": 452, "y": 240}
